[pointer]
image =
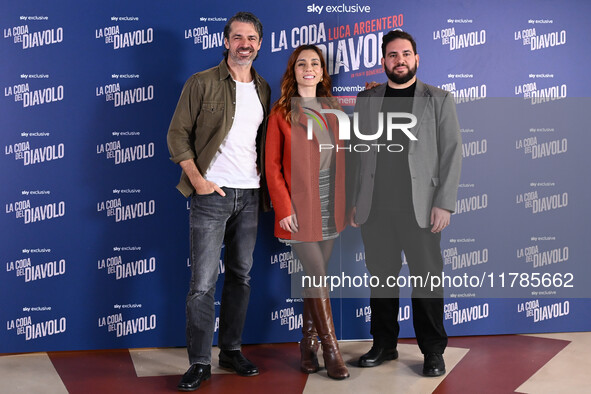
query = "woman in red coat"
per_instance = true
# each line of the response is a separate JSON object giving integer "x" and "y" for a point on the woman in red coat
{"x": 305, "y": 172}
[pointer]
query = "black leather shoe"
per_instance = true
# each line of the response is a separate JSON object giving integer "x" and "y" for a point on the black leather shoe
{"x": 433, "y": 365}
{"x": 376, "y": 356}
{"x": 192, "y": 379}
{"x": 236, "y": 361}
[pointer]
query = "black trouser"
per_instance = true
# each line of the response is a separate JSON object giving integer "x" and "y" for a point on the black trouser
{"x": 385, "y": 236}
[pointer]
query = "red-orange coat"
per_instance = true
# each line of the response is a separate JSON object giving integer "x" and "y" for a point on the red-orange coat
{"x": 292, "y": 168}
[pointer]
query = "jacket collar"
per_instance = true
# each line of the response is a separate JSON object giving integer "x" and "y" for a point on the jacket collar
{"x": 225, "y": 72}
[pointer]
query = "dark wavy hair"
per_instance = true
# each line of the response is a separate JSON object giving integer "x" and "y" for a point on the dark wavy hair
{"x": 289, "y": 85}
{"x": 245, "y": 17}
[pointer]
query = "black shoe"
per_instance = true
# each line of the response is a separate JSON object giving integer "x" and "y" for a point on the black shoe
{"x": 376, "y": 356}
{"x": 236, "y": 361}
{"x": 192, "y": 379}
{"x": 434, "y": 365}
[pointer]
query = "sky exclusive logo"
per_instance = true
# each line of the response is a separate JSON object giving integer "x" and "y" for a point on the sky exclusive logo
{"x": 315, "y": 116}
{"x": 338, "y": 9}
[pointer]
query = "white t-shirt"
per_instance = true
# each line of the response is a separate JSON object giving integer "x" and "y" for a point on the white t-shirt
{"x": 235, "y": 163}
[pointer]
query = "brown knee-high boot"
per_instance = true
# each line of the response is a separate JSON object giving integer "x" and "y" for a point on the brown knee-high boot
{"x": 309, "y": 342}
{"x": 322, "y": 316}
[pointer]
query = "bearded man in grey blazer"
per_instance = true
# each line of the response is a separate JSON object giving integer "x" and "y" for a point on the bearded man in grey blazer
{"x": 403, "y": 193}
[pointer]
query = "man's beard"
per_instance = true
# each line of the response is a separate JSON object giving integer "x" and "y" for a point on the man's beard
{"x": 242, "y": 61}
{"x": 401, "y": 79}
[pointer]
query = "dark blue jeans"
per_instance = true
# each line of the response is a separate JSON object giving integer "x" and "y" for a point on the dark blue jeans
{"x": 231, "y": 220}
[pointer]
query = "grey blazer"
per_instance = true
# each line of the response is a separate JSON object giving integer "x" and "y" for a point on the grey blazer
{"x": 434, "y": 160}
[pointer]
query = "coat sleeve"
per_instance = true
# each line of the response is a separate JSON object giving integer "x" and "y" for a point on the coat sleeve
{"x": 450, "y": 155}
{"x": 274, "y": 156}
{"x": 182, "y": 126}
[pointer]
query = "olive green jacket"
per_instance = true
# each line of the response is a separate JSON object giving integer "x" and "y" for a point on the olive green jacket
{"x": 204, "y": 116}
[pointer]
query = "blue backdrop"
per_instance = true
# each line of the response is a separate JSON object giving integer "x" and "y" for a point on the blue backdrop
{"x": 94, "y": 236}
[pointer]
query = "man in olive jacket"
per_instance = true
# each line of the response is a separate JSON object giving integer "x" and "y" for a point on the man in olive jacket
{"x": 217, "y": 136}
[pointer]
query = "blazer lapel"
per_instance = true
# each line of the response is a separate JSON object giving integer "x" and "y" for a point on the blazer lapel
{"x": 376, "y": 99}
{"x": 419, "y": 104}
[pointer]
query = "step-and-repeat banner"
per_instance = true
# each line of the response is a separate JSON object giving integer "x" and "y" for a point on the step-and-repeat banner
{"x": 94, "y": 236}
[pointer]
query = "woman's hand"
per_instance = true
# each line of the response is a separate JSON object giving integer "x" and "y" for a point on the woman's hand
{"x": 289, "y": 223}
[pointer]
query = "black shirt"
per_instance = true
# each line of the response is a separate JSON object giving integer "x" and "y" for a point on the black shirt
{"x": 392, "y": 185}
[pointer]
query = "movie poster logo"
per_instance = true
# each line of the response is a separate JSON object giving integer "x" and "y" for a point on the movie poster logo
{"x": 535, "y": 40}
{"x": 464, "y": 91}
{"x": 457, "y": 260}
{"x": 475, "y": 148}
{"x": 121, "y": 154}
{"x": 286, "y": 317}
{"x": 30, "y": 96}
{"x": 120, "y": 97}
{"x": 287, "y": 261}
{"x": 31, "y": 270}
{"x": 456, "y": 38}
{"x": 538, "y": 313}
{"x": 346, "y": 48}
{"x": 121, "y": 325}
{"x": 121, "y": 268}
{"x": 124, "y": 37}
{"x": 31, "y": 154}
{"x": 458, "y": 315}
{"x": 471, "y": 203}
{"x": 30, "y": 212}
{"x": 364, "y": 313}
{"x": 543, "y": 200}
{"x": 539, "y": 255}
{"x": 27, "y": 37}
{"x": 540, "y": 92}
{"x": 31, "y": 328}
{"x": 121, "y": 210}
{"x": 539, "y": 147}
